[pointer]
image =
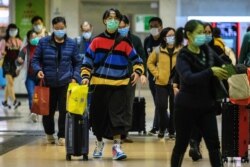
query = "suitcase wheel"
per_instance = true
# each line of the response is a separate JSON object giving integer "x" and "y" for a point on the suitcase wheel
{"x": 245, "y": 160}
{"x": 85, "y": 157}
{"x": 68, "y": 157}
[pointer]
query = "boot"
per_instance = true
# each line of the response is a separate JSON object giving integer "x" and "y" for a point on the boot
{"x": 176, "y": 160}
{"x": 194, "y": 151}
{"x": 215, "y": 158}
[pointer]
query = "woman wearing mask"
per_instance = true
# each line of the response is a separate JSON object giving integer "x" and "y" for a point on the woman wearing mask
{"x": 24, "y": 58}
{"x": 107, "y": 61}
{"x": 12, "y": 44}
{"x": 160, "y": 63}
{"x": 56, "y": 60}
{"x": 196, "y": 65}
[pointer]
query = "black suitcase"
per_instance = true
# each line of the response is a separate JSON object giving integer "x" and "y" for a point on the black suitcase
{"x": 235, "y": 125}
{"x": 139, "y": 114}
{"x": 77, "y": 136}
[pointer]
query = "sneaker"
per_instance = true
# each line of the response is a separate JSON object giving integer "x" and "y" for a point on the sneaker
{"x": 161, "y": 134}
{"x": 33, "y": 117}
{"x": 61, "y": 142}
{"x": 5, "y": 104}
{"x": 118, "y": 154}
{"x": 16, "y": 104}
{"x": 98, "y": 149}
{"x": 172, "y": 136}
{"x": 153, "y": 132}
{"x": 51, "y": 139}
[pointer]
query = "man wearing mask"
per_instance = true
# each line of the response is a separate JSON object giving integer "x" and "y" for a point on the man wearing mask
{"x": 105, "y": 67}
{"x": 85, "y": 38}
{"x": 38, "y": 26}
{"x": 56, "y": 60}
{"x": 152, "y": 41}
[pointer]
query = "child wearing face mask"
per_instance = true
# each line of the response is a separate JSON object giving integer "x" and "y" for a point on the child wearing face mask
{"x": 24, "y": 62}
{"x": 160, "y": 63}
{"x": 12, "y": 44}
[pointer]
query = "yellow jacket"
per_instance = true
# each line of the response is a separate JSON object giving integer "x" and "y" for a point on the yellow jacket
{"x": 161, "y": 69}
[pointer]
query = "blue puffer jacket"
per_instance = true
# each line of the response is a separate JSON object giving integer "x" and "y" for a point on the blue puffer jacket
{"x": 58, "y": 71}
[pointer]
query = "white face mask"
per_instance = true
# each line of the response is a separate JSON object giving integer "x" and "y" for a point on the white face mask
{"x": 154, "y": 31}
{"x": 38, "y": 28}
{"x": 170, "y": 40}
{"x": 13, "y": 32}
{"x": 86, "y": 35}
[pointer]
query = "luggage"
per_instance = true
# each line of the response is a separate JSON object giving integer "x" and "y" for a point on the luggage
{"x": 139, "y": 114}
{"x": 235, "y": 135}
{"x": 77, "y": 135}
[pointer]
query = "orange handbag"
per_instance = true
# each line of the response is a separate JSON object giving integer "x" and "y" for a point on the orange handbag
{"x": 40, "y": 100}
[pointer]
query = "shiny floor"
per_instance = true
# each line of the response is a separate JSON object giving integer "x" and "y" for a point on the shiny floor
{"x": 27, "y": 147}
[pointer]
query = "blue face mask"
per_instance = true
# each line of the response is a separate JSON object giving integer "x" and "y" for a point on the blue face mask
{"x": 59, "y": 33}
{"x": 123, "y": 31}
{"x": 170, "y": 40}
{"x": 200, "y": 39}
{"x": 208, "y": 38}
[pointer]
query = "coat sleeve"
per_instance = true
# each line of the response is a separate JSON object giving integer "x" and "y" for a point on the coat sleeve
{"x": 151, "y": 64}
{"x": 245, "y": 48}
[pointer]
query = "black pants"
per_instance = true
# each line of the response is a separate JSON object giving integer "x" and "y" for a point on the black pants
{"x": 153, "y": 92}
{"x": 171, "y": 128}
{"x": 185, "y": 121}
{"x": 58, "y": 97}
{"x": 108, "y": 111}
{"x": 162, "y": 95}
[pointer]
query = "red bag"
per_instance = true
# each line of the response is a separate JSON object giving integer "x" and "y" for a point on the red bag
{"x": 40, "y": 100}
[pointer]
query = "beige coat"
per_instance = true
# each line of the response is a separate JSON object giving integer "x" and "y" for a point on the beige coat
{"x": 161, "y": 70}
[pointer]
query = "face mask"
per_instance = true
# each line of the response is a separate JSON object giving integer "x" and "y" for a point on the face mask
{"x": 208, "y": 38}
{"x": 34, "y": 41}
{"x": 86, "y": 35}
{"x": 170, "y": 40}
{"x": 123, "y": 31}
{"x": 199, "y": 40}
{"x": 13, "y": 33}
{"x": 59, "y": 33}
{"x": 38, "y": 28}
{"x": 112, "y": 25}
{"x": 154, "y": 31}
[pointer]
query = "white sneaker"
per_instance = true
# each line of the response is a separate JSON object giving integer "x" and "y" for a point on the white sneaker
{"x": 98, "y": 149}
{"x": 34, "y": 117}
{"x": 61, "y": 142}
{"x": 51, "y": 139}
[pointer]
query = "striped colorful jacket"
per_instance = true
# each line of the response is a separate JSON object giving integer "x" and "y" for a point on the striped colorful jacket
{"x": 112, "y": 70}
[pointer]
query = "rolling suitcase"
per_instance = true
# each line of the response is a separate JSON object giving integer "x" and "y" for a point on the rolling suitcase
{"x": 77, "y": 135}
{"x": 139, "y": 114}
{"x": 235, "y": 135}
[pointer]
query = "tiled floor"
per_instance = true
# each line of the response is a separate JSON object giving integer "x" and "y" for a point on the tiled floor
{"x": 26, "y": 139}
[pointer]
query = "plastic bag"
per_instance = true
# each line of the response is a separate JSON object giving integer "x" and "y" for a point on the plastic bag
{"x": 77, "y": 98}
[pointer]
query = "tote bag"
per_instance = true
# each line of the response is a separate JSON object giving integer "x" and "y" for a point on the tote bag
{"x": 77, "y": 98}
{"x": 40, "y": 100}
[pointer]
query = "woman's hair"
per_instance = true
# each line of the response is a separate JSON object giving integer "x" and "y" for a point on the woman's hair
{"x": 125, "y": 19}
{"x": 163, "y": 35}
{"x": 209, "y": 25}
{"x": 191, "y": 25}
{"x": 29, "y": 33}
{"x": 107, "y": 13}
{"x": 10, "y": 26}
{"x": 179, "y": 36}
{"x": 216, "y": 32}
{"x": 59, "y": 19}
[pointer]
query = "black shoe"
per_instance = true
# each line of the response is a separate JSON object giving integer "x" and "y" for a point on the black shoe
{"x": 161, "y": 134}
{"x": 16, "y": 104}
{"x": 172, "y": 136}
{"x": 5, "y": 104}
{"x": 153, "y": 132}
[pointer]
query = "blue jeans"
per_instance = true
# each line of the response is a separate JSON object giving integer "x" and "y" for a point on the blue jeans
{"x": 30, "y": 84}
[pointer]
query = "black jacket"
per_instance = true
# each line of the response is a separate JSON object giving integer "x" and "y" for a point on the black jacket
{"x": 196, "y": 78}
